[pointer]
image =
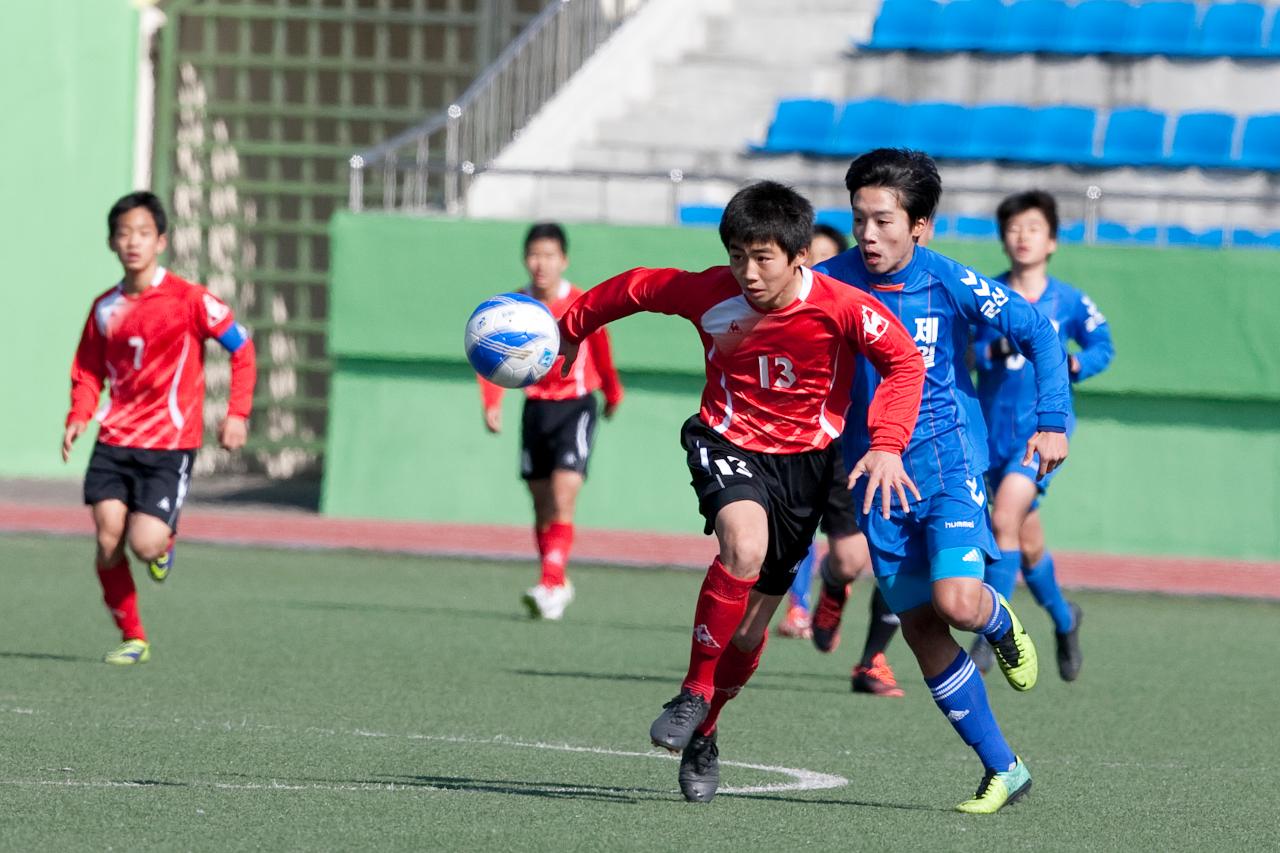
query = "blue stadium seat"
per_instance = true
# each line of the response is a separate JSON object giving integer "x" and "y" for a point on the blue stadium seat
{"x": 1255, "y": 239}
{"x": 1177, "y": 235}
{"x": 1001, "y": 132}
{"x": 1032, "y": 25}
{"x": 700, "y": 215}
{"x": 1134, "y": 137}
{"x": 839, "y": 218}
{"x": 1261, "y": 149}
{"x": 799, "y": 124}
{"x": 1271, "y": 47}
{"x": 864, "y": 125}
{"x": 968, "y": 25}
{"x": 940, "y": 129}
{"x": 942, "y": 226}
{"x": 1231, "y": 29}
{"x": 1165, "y": 26}
{"x": 904, "y": 25}
{"x": 1147, "y": 235}
{"x": 975, "y": 227}
{"x": 1071, "y": 232}
{"x": 1062, "y": 135}
{"x": 1213, "y": 238}
{"x": 1110, "y": 231}
{"x": 1098, "y": 26}
{"x": 1202, "y": 139}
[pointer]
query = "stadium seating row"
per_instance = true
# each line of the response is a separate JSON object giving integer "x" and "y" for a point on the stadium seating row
{"x": 1058, "y": 134}
{"x": 984, "y": 228}
{"x": 1168, "y": 27}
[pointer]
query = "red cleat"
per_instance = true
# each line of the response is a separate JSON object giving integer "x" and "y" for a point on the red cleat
{"x": 796, "y": 624}
{"x": 876, "y": 679}
{"x": 826, "y": 618}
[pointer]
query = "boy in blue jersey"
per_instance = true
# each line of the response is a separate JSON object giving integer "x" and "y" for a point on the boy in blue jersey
{"x": 930, "y": 560}
{"x": 1007, "y": 392}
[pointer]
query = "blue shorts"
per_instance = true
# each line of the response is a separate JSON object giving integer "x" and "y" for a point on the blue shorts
{"x": 904, "y": 547}
{"x": 1003, "y": 468}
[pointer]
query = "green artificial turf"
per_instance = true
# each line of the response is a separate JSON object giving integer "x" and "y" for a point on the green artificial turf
{"x": 326, "y": 700}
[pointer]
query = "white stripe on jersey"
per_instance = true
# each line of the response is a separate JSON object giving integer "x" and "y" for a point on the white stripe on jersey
{"x": 175, "y": 413}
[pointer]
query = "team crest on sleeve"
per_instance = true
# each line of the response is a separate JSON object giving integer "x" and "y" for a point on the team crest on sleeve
{"x": 873, "y": 325}
{"x": 216, "y": 310}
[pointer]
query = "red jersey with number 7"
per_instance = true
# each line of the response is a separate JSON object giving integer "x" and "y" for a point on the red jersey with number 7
{"x": 777, "y": 381}
{"x": 148, "y": 349}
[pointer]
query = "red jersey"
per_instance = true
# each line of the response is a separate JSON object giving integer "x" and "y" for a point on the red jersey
{"x": 777, "y": 381}
{"x": 593, "y": 371}
{"x": 149, "y": 349}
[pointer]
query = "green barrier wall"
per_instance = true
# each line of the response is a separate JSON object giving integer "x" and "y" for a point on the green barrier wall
{"x": 69, "y": 68}
{"x": 1177, "y": 451}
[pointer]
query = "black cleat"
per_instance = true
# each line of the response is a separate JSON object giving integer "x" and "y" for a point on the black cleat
{"x": 1069, "y": 656}
{"x": 984, "y": 657}
{"x": 675, "y": 726}
{"x": 700, "y": 769}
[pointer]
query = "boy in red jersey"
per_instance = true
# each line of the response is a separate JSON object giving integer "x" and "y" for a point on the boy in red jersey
{"x": 145, "y": 340}
{"x": 558, "y": 425}
{"x": 780, "y": 342}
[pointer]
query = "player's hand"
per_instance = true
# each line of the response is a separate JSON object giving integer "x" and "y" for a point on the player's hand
{"x": 233, "y": 433}
{"x": 1073, "y": 366}
{"x": 493, "y": 419}
{"x": 884, "y": 472}
{"x": 570, "y": 353}
{"x": 1052, "y": 447}
{"x": 610, "y": 409}
{"x": 73, "y": 431}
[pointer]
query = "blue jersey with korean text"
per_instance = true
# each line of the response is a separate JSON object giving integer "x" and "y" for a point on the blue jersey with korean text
{"x": 1007, "y": 386}
{"x": 938, "y": 300}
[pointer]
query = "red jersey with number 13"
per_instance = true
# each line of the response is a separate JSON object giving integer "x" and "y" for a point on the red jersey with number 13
{"x": 777, "y": 381}
{"x": 149, "y": 350}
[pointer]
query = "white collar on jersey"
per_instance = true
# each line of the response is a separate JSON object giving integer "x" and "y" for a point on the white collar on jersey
{"x": 155, "y": 279}
{"x": 561, "y": 292}
{"x": 806, "y": 284}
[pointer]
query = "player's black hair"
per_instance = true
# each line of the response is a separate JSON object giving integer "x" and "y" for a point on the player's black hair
{"x": 141, "y": 198}
{"x": 1029, "y": 200}
{"x": 911, "y": 175}
{"x": 547, "y": 231}
{"x": 768, "y": 212}
{"x": 822, "y": 229}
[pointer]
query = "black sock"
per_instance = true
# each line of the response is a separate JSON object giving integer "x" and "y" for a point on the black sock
{"x": 884, "y": 624}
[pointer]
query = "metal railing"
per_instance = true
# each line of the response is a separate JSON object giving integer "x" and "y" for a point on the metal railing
{"x": 453, "y": 144}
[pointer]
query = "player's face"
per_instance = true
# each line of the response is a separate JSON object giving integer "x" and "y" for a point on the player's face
{"x": 768, "y": 278}
{"x": 1027, "y": 239}
{"x": 822, "y": 247}
{"x": 884, "y": 231}
{"x": 136, "y": 241}
{"x": 546, "y": 264}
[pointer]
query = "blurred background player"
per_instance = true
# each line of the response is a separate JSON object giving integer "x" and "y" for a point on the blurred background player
{"x": 1007, "y": 391}
{"x": 779, "y": 342}
{"x": 845, "y": 560}
{"x": 558, "y": 426}
{"x": 144, "y": 339}
{"x": 930, "y": 559}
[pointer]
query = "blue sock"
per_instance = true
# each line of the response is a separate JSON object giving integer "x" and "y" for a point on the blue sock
{"x": 1000, "y": 621}
{"x": 803, "y": 581}
{"x": 1044, "y": 588}
{"x": 1004, "y": 572}
{"x": 962, "y": 697}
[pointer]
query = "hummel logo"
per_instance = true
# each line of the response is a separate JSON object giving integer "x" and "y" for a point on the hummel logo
{"x": 164, "y": 504}
{"x": 974, "y": 556}
{"x": 957, "y": 716}
{"x": 703, "y": 635}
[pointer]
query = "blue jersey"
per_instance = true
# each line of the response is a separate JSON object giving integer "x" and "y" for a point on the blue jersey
{"x": 1007, "y": 386}
{"x": 938, "y": 300}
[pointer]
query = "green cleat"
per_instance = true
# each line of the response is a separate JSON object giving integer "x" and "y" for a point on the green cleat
{"x": 160, "y": 566}
{"x": 129, "y": 653}
{"x": 1015, "y": 653}
{"x": 998, "y": 790}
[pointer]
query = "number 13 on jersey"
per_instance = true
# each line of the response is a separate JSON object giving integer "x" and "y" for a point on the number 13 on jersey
{"x": 776, "y": 371}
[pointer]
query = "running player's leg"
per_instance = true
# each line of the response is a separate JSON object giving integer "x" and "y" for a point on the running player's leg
{"x": 1039, "y": 573}
{"x": 161, "y": 481}
{"x": 108, "y": 489}
{"x": 1014, "y": 498}
{"x": 872, "y": 674}
{"x": 798, "y": 622}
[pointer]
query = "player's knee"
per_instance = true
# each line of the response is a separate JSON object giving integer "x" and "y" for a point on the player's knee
{"x": 1007, "y": 522}
{"x": 744, "y": 556}
{"x": 960, "y": 606}
{"x": 148, "y": 546}
{"x": 110, "y": 540}
{"x": 846, "y": 564}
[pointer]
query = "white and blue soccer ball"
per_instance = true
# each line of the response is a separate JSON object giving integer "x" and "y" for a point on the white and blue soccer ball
{"x": 512, "y": 340}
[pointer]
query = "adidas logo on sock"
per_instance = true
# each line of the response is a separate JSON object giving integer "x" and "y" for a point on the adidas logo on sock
{"x": 957, "y": 716}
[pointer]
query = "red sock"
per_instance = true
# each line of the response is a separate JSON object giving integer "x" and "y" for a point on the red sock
{"x": 557, "y": 540}
{"x": 121, "y": 598}
{"x": 722, "y": 602}
{"x": 732, "y": 674}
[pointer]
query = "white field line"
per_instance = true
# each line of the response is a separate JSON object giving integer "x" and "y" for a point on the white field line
{"x": 800, "y": 778}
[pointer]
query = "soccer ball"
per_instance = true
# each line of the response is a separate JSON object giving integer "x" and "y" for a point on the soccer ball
{"x": 512, "y": 339}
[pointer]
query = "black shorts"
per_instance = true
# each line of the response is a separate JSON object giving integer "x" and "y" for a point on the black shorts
{"x": 556, "y": 435}
{"x": 792, "y": 488}
{"x": 839, "y": 516}
{"x": 152, "y": 482}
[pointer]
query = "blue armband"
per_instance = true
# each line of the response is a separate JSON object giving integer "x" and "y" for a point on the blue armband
{"x": 234, "y": 337}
